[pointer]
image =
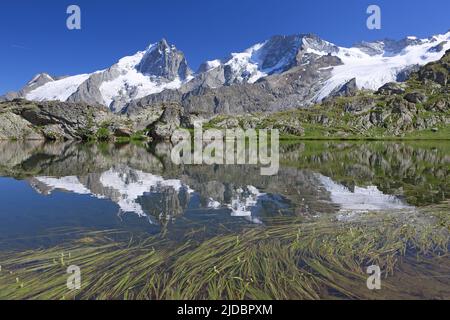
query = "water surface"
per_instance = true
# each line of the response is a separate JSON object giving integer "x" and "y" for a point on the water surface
{"x": 53, "y": 193}
{"x": 46, "y": 186}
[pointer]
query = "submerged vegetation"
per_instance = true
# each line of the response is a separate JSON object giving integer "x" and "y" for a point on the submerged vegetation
{"x": 286, "y": 259}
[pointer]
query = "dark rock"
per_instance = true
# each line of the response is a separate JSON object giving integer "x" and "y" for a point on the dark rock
{"x": 348, "y": 89}
{"x": 415, "y": 97}
{"x": 436, "y": 71}
{"x": 123, "y": 132}
{"x": 391, "y": 88}
{"x": 406, "y": 73}
{"x": 438, "y": 48}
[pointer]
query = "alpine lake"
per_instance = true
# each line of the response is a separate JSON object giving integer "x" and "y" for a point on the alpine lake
{"x": 139, "y": 227}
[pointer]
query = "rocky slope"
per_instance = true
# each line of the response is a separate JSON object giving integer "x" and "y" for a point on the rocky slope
{"x": 284, "y": 72}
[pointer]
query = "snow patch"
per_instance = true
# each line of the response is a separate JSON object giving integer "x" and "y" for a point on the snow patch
{"x": 57, "y": 90}
{"x": 213, "y": 64}
{"x": 70, "y": 183}
{"x": 361, "y": 200}
{"x": 242, "y": 203}
{"x": 131, "y": 187}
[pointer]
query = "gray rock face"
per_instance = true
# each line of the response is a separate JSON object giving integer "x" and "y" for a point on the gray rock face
{"x": 146, "y": 117}
{"x": 348, "y": 89}
{"x": 164, "y": 61}
{"x": 294, "y": 88}
{"x": 170, "y": 121}
{"x": 406, "y": 73}
{"x": 52, "y": 120}
{"x": 438, "y": 48}
{"x": 280, "y": 52}
{"x": 371, "y": 48}
{"x": 89, "y": 90}
{"x": 386, "y": 47}
{"x": 12, "y": 126}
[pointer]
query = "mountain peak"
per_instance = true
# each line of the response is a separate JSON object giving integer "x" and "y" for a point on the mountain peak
{"x": 163, "y": 43}
{"x": 164, "y": 60}
{"x": 40, "y": 78}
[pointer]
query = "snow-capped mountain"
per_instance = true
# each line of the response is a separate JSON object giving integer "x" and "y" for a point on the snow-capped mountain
{"x": 274, "y": 56}
{"x": 374, "y": 64}
{"x": 281, "y": 73}
{"x": 159, "y": 67}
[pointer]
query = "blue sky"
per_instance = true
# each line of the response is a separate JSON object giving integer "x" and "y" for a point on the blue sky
{"x": 34, "y": 37}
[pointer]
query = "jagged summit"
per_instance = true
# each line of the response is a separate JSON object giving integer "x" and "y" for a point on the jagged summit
{"x": 164, "y": 60}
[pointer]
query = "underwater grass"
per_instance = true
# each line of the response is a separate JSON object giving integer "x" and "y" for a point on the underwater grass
{"x": 286, "y": 259}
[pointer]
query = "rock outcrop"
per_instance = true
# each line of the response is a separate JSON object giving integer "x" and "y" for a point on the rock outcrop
{"x": 51, "y": 120}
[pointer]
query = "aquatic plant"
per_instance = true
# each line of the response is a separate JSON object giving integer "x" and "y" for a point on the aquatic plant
{"x": 287, "y": 259}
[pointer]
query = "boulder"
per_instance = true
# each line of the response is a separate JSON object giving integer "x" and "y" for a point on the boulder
{"x": 15, "y": 127}
{"x": 123, "y": 132}
{"x": 291, "y": 126}
{"x": 348, "y": 89}
{"x": 146, "y": 117}
{"x": 169, "y": 122}
{"x": 391, "y": 88}
{"x": 415, "y": 97}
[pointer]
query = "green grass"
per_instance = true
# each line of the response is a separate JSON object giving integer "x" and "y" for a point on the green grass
{"x": 443, "y": 133}
{"x": 315, "y": 132}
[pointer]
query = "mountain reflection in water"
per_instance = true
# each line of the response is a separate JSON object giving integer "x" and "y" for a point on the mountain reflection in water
{"x": 341, "y": 179}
